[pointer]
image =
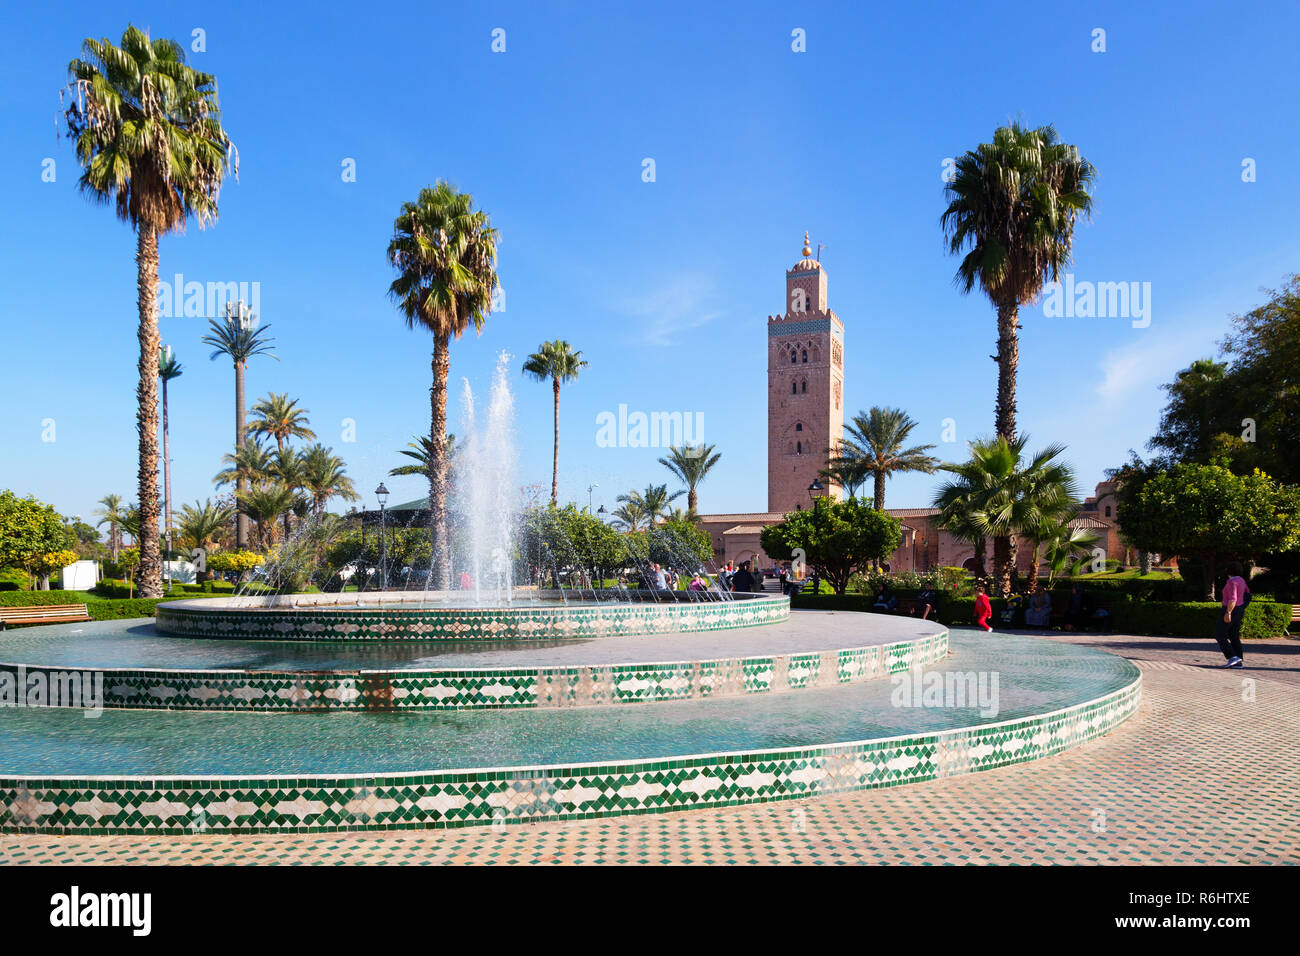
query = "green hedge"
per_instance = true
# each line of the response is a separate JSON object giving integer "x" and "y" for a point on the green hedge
{"x": 1156, "y": 618}
{"x": 34, "y": 598}
{"x": 1107, "y": 589}
{"x": 1198, "y": 618}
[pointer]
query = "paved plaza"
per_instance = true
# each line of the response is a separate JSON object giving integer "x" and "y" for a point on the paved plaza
{"x": 1207, "y": 772}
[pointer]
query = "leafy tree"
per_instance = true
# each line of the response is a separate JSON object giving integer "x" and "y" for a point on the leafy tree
{"x": 568, "y": 540}
{"x": 234, "y": 562}
{"x": 444, "y": 252}
{"x": 1064, "y": 548}
{"x": 691, "y": 464}
{"x": 558, "y": 362}
{"x": 29, "y": 529}
{"x": 875, "y": 446}
{"x": 680, "y": 544}
{"x": 837, "y": 538}
{"x": 147, "y": 132}
{"x": 1208, "y": 513}
{"x": 43, "y": 565}
{"x": 240, "y": 338}
{"x": 1199, "y": 410}
{"x": 129, "y": 560}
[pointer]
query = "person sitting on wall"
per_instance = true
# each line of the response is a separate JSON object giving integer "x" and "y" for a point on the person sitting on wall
{"x": 886, "y": 600}
{"x": 1012, "y": 608}
{"x": 1039, "y": 613}
{"x": 1079, "y": 610}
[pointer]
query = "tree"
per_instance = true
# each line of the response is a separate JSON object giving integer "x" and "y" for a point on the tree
{"x": 998, "y": 494}
{"x": 560, "y": 363}
{"x": 1063, "y": 547}
{"x": 43, "y": 565}
{"x": 200, "y": 524}
{"x": 956, "y": 501}
{"x": 251, "y": 463}
{"x": 1015, "y": 202}
{"x": 444, "y": 252}
{"x": 874, "y": 447}
{"x": 648, "y": 506}
{"x": 29, "y": 529}
{"x": 421, "y": 450}
{"x": 147, "y": 131}
{"x": 240, "y": 338}
{"x": 837, "y": 538}
{"x": 168, "y": 369}
{"x": 110, "y": 513}
{"x": 279, "y": 417}
{"x": 266, "y": 504}
{"x": 691, "y": 464}
{"x": 324, "y": 475}
{"x": 1208, "y": 513}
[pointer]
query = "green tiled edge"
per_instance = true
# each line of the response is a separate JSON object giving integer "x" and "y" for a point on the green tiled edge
{"x": 501, "y": 688}
{"x": 507, "y": 796}
{"x": 520, "y": 623}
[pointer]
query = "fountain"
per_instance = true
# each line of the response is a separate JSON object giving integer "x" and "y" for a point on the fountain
{"x": 283, "y": 710}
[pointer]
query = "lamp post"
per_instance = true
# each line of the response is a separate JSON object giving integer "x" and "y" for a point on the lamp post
{"x": 381, "y": 494}
{"x": 814, "y": 495}
{"x": 600, "y": 513}
{"x": 589, "y": 487}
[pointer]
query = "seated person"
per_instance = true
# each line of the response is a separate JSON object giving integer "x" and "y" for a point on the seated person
{"x": 1012, "y": 609}
{"x": 927, "y": 602}
{"x": 1039, "y": 613}
{"x": 886, "y": 600}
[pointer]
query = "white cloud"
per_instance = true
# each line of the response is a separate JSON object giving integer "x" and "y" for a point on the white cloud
{"x": 662, "y": 316}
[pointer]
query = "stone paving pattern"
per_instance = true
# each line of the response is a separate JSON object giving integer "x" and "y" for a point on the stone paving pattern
{"x": 1201, "y": 775}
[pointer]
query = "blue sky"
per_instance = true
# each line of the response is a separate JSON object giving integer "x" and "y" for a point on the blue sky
{"x": 665, "y": 286}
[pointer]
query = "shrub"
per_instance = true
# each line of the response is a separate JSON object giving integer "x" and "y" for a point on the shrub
{"x": 1197, "y": 618}
{"x": 13, "y": 579}
{"x": 110, "y": 588}
{"x": 34, "y": 598}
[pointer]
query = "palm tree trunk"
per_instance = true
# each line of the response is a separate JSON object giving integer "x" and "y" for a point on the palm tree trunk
{"x": 555, "y": 452}
{"x": 241, "y": 483}
{"x": 879, "y": 503}
{"x": 1002, "y": 558}
{"x": 146, "y": 258}
{"x": 692, "y": 500}
{"x": 438, "y": 461}
{"x": 167, "y": 474}
{"x": 980, "y": 568}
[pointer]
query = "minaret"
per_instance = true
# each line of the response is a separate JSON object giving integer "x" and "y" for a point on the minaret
{"x": 805, "y": 386}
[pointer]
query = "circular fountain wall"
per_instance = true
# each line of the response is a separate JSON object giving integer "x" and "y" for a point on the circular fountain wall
{"x": 435, "y": 616}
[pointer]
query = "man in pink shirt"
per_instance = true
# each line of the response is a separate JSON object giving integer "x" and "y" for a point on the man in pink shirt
{"x": 1227, "y": 630}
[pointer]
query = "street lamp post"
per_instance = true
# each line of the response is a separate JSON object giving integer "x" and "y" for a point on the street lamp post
{"x": 381, "y": 493}
{"x": 589, "y": 487}
{"x": 814, "y": 495}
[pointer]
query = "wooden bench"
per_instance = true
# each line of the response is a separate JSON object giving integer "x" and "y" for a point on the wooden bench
{"x": 43, "y": 614}
{"x": 1100, "y": 612}
{"x": 1295, "y": 613}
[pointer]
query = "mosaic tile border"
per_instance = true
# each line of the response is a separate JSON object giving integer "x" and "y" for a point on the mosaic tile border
{"x": 499, "y": 688}
{"x": 500, "y": 797}
{"x": 210, "y": 619}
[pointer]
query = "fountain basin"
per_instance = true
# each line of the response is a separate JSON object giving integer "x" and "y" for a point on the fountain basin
{"x": 437, "y": 616}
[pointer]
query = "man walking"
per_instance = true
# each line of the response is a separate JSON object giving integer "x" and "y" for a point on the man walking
{"x": 1227, "y": 630}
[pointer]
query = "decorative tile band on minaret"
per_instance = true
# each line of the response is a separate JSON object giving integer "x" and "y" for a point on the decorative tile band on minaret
{"x": 805, "y": 386}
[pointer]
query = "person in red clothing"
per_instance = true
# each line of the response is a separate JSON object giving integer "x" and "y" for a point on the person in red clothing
{"x": 1227, "y": 631}
{"x": 983, "y": 609}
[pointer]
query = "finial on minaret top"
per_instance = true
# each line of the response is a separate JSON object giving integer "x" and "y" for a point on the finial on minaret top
{"x": 807, "y": 249}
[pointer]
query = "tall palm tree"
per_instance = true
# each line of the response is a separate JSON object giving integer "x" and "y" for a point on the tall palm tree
{"x": 631, "y": 516}
{"x": 147, "y": 132}
{"x": 240, "y": 338}
{"x": 651, "y": 505}
{"x": 1008, "y": 495}
{"x": 560, "y": 363}
{"x": 168, "y": 369}
{"x": 279, "y": 417}
{"x": 111, "y": 512}
{"x": 325, "y": 477}
{"x": 874, "y": 446}
{"x": 691, "y": 464}
{"x": 421, "y": 449}
{"x": 1015, "y": 202}
{"x": 444, "y": 252}
{"x": 955, "y": 501}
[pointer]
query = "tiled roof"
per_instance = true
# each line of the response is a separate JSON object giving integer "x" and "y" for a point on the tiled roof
{"x": 1089, "y": 521}
{"x": 745, "y": 529}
